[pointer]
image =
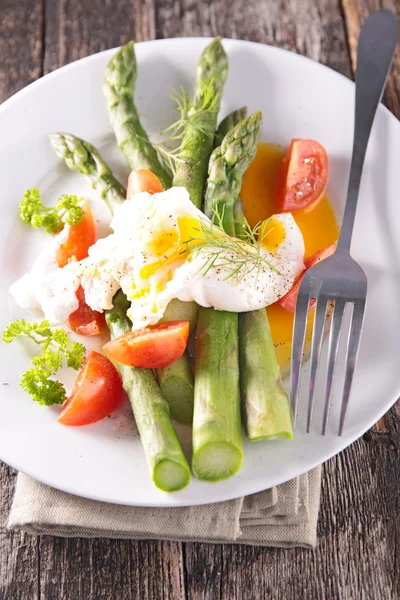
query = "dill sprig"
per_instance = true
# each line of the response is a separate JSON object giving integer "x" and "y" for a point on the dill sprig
{"x": 239, "y": 258}
{"x": 192, "y": 114}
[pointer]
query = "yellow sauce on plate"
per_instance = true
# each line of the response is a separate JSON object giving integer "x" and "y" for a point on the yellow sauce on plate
{"x": 319, "y": 229}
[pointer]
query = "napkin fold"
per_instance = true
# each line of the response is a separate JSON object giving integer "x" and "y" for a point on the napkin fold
{"x": 284, "y": 516}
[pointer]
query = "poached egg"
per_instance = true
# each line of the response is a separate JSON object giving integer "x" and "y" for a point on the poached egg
{"x": 148, "y": 256}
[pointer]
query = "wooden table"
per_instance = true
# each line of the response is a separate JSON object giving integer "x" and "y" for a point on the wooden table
{"x": 358, "y": 554}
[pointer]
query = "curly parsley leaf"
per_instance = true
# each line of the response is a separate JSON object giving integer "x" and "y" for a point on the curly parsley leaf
{"x": 24, "y": 327}
{"x": 43, "y": 390}
{"x": 33, "y": 212}
{"x": 75, "y": 356}
{"x": 56, "y": 350}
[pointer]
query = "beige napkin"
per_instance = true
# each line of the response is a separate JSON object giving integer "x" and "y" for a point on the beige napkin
{"x": 283, "y": 516}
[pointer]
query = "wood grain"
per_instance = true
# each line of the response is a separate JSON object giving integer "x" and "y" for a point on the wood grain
{"x": 359, "y": 529}
{"x": 21, "y": 45}
{"x": 21, "y": 49}
{"x": 314, "y": 29}
{"x": 355, "y": 12}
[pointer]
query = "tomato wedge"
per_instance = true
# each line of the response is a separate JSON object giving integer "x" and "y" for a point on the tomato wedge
{"x": 97, "y": 392}
{"x": 152, "y": 347}
{"x": 80, "y": 238}
{"x": 85, "y": 321}
{"x": 304, "y": 176}
{"x": 143, "y": 180}
{"x": 289, "y": 300}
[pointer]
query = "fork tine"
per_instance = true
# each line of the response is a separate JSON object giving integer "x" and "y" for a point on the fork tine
{"x": 351, "y": 358}
{"x": 334, "y": 338}
{"x": 299, "y": 334}
{"x": 318, "y": 332}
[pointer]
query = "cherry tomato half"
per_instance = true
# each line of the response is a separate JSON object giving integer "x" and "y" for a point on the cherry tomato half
{"x": 289, "y": 300}
{"x": 85, "y": 321}
{"x": 97, "y": 392}
{"x": 152, "y": 347}
{"x": 80, "y": 238}
{"x": 143, "y": 180}
{"x": 304, "y": 176}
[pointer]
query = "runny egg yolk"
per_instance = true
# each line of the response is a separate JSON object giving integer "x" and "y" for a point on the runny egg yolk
{"x": 319, "y": 229}
{"x": 170, "y": 246}
{"x": 272, "y": 234}
{"x": 163, "y": 243}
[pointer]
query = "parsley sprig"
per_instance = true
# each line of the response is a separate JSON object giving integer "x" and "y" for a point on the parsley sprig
{"x": 33, "y": 212}
{"x": 56, "y": 351}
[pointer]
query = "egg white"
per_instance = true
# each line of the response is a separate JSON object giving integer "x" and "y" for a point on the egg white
{"x": 253, "y": 288}
{"x": 144, "y": 257}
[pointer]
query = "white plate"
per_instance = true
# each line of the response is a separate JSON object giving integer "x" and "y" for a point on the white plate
{"x": 300, "y": 98}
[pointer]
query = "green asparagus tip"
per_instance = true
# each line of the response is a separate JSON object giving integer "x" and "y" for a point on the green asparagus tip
{"x": 256, "y": 117}
{"x": 228, "y": 123}
{"x": 55, "y": 139}
{"x": 121, "y": 69}
{"x": 212, "y": 67}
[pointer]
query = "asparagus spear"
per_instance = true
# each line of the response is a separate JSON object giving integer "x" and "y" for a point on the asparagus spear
{"x": 118, "y": 89}
{"x": 177, "y": 386}
{"x": 198, "y": 138}
{"x": 197, "y": 143}
{"x": 228, "y": 164}
{"x": 176, "y": 380}
{"x": 228, "y": 123}
{"x": 239, "y": 219}
{"x": 82, "y": 157}
{"x": 217, "y": 437}
{"x": 265, "y": 402}
{"x": 188, "y": 311}
{"x": 168, "y": 465}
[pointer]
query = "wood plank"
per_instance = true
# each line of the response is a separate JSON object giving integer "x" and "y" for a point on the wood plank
{"x": 355, "y": 13}
{"x": 19, "y": 554}
{"x": 82, "y": 568}
{"x": 21, "y": 47}
{"x": 314, "y": 29}
{"x": 79, "y": 28}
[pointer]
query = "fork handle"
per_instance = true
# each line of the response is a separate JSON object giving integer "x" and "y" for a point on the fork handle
{"x": 376, "y": 46}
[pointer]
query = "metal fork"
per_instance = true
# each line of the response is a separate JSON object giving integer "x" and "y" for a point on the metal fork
{"x": 339, "y": 278}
